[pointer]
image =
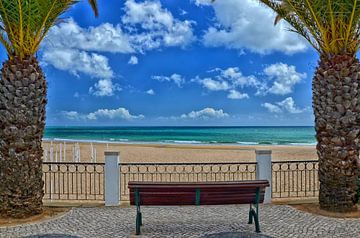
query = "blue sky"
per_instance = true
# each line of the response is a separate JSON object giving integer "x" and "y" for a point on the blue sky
{"x": 176, "y": 63}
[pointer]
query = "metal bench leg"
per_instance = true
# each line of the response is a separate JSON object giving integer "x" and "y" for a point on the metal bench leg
{"x": 138, "y": 223}
{"x": 257, "y": 225}
{"x": 250, "y": 216}
{"x": 141, "y": 223}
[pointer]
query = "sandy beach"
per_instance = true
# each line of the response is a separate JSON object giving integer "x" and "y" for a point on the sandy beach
{"x": 148, "y": 153}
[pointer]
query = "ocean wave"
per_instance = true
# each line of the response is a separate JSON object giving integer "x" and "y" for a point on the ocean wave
{"x": 119, "y": 139}
{"x": 183, "y": 141}
{"x": 301, "y": 144}
{"x": 247, "y": 143}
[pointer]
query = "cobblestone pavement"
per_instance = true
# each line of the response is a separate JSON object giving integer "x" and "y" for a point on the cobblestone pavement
{"x": 186, "y": 221}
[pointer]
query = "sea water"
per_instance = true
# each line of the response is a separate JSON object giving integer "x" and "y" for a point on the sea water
{"x": 187, "y": 135}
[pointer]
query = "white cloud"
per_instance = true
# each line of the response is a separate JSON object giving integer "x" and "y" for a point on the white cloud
{"x": 202, "y": 2}
{"x": 75, "y": 61}
{"x": 182, "y": 12}
{"x": 246, "y": 24}
{"x": 150, "y": 92}
{"x": 120, "y": 113}
{"x": 104, "y": 87}
{"x": 103, "y": 38}
{"x": 234, "y": 75}
{"x": 76, "y": 95}
{"x": 287, "y": 105}
{"x": 279, "y": 79}
{"x": 227, "y": 79}
{"x": 271, "y": 107}
{"x": 176, "y": 78}
{"x": 206, "y": 113}
{"x": 285, "y": 77}
{"x": 233, "y": 94}
{"x": 133, "y": 60}
{"x": 144, "y": 26}
{"x": 214, "y": 85}
{"x": 153, "y": 26}
{"x": 71, "y": 115}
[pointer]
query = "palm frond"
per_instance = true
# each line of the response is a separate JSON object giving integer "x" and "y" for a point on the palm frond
{"x": 93, "y": 4}
{"x": 24, "y": 23}
{"x": 330, "y": 26}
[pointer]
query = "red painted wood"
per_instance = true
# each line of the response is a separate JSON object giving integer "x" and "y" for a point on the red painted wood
{"x": 211, "y": 193}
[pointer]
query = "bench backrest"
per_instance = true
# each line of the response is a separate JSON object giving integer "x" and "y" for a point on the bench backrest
{"x": 204, "y": 193}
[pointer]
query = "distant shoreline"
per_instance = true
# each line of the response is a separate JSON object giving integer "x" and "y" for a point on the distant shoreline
{"x": 182, "y": 153}
{"x": 184, "y": 143}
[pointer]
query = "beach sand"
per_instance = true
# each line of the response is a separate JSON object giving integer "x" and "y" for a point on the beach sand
{"x": 158, "y": 153}
{"x": 169, "y": 153}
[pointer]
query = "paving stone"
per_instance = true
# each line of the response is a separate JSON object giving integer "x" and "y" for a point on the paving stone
{"x": 187, "y": 221}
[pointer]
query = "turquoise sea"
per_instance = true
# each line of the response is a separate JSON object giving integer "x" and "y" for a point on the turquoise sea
{"x": 187, "y": 135}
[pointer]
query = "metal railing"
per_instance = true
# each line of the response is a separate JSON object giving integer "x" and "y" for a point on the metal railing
{"x": 184, "y": 172}
{"x": 85, "y": 181}
{"x": 295, "y": 179}
{"x": 73, "y": 181}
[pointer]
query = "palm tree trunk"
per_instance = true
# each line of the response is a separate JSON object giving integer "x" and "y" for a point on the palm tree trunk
{"x": 22, "y": 120}
{"x": 336, "y": 103}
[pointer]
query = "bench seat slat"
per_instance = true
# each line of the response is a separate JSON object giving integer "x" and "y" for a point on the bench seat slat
{"x": 211, "y": 193}
{"x": 186, "y": 199}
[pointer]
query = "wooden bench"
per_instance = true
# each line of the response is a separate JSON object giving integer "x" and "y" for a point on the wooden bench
{"x": 203, "y": 193}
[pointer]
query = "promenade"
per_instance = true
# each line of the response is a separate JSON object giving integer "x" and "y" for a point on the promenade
{"x": 187, "y": 221}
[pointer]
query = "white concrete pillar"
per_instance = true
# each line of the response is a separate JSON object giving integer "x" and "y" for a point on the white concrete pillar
{"x": 112, "y": 178}
{"x": 264, "y": 170}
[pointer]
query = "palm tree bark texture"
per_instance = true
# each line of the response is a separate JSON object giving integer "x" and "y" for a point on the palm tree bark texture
{"x": 22, "y": 120}
{"x": 336, "y": 104}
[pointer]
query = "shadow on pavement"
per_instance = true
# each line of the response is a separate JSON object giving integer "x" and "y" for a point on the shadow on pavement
{"x": 236, "y": 235}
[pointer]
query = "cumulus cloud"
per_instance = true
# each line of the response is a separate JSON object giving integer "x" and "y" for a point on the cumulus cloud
{"x": 71, "y": 55}
{"x": 71, "y": 115}
{"x": 233, "y": 94}
{"x": 202, "y": 2}
{"x": 244, "y": 24}
{"x": 287, "y": 105}
{"x": 284, "y": 77}
{"x": 214, "y": 85}
{"x": 133, "y": 60}
{"x": 279, "y": 79}
{"x": 150, "y": 92}
{"x": 120, "y": 113}
{"x": 230, "y": 80}
{"x": 271, "y": 107}
{"x": 104, "y": 87}
{"x": 76, "y": 61}
{"x": 153, "y": 26}
{"x": 103, "y": 38}
{"x": 206, "y": 113}
{"x": 145, "y": 26}
{"x": 175, "y": 78}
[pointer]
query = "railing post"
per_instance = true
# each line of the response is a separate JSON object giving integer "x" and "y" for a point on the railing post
{"x": 264, "y": 170}
{"x": 112, "y": 179}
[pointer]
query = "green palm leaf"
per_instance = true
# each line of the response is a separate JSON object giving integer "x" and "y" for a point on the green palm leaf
{"x": 25, "y": 23}
{"x": 330, "y": 26}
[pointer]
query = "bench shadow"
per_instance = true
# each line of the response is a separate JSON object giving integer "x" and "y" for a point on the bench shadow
{"x": 51, "y": 236}
{"x": 235, "y": 235}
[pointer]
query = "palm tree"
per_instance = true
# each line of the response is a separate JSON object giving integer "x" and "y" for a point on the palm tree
{"x": 332, "y": 27}
{"x": 23, "y": 25}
